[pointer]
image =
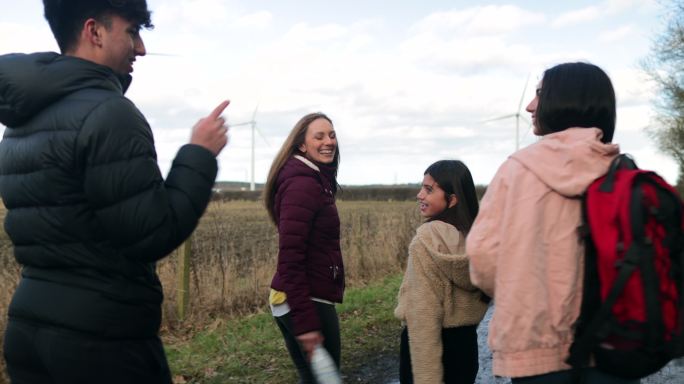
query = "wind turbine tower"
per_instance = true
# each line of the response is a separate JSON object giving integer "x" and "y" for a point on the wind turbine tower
{"x": 252, "y": 123}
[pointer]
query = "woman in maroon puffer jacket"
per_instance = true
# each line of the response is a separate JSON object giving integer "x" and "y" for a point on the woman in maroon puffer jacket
{"x": 300, "y": 199}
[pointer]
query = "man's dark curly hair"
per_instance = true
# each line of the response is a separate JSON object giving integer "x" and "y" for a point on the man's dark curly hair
{"x": 66, "y": 17}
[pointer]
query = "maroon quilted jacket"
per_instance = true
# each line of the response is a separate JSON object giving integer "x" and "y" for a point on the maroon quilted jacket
{"x": 309, "y": 257}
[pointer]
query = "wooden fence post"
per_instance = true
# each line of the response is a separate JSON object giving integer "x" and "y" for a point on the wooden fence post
{"x": 183, "y": 290}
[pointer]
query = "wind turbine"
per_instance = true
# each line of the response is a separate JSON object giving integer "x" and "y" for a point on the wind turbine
{"x": 252, "y": 123}
{"x": 517, "y": 116}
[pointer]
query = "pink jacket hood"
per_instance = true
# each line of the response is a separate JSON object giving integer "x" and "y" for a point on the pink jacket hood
{"x": 568, "y": 161}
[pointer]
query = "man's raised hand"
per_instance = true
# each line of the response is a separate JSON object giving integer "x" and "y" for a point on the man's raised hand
{"x": 211, "y": 131}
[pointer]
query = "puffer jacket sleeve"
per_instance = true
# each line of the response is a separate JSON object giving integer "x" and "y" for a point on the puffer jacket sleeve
{"x": 484, "y": 239}
{"x": 424, "y": 315}
{"x": 143, "y": 216}
{"x": 300, "y": 200}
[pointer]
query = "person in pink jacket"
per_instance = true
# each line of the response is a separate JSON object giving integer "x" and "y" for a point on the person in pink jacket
{"x": 524, "y": 247}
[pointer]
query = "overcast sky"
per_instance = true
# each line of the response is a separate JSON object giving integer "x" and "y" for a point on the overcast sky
{"x": 405, "y": 83}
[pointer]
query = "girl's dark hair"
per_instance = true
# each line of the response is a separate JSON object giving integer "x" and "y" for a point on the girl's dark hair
{"x": 576, "y": 95}
{"x": 66, "y": 17}
{"x": 454, "y": 178}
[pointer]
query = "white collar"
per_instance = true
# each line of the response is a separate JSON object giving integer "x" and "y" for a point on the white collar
{"x": 307, "y": 162}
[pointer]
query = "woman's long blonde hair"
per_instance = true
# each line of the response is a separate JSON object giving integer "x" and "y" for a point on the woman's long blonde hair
{"x": 289, "y": 148}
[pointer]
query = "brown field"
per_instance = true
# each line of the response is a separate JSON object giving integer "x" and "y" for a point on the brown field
{"x": 234, "y": 252}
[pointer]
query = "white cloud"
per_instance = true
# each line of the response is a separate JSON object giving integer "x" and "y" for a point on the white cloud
{"x": 204, "y": 14}
{"x": 617, "y": 34}
{"x": 304, "y": 33}
{"x": 18, "y": 37}
{"x": 467, "y": 54}
{"x": 207, "y": 15}
{"x": 474, "y": 39}
{"x": 603, "y": 10}
{"x": 482, "y": 20}
{"x": 616, "y": 6}
{"x": 261, "y": 19}
{"x": 579, "y": 16}
{"x": 633, "y": 87}
{"x": 633, "y": 118}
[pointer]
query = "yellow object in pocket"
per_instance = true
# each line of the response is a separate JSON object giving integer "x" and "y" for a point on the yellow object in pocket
{"x": 276, "y": 297}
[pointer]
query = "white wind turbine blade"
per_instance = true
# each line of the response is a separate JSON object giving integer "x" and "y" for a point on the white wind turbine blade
{"x": 499, "y": 118}
{"x": 522, "y": 97}
{"x": 254, "y": 113}
{"x": 162, "y": 54}
{"x": 518, "y": 115}
{"x": 262, "y": 135}
{"x": 529, "y": 126}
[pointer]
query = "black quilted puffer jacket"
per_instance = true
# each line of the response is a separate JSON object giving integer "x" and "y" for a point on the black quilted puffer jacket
{"x": 89, "y": 213}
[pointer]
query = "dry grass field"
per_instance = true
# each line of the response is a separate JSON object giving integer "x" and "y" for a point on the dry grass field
{"x": 235, "y": 247}
{"x": 234, "y": 252}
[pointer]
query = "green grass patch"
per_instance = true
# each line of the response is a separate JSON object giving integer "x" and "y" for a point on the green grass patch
{"x": 251, "y": 349}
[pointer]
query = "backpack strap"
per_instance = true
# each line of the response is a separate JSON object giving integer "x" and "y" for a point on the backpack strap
{"x": 655, "y": 329}
{"x": 622, "y": 161}
{"x": 582, "y": 348}
{"x": 654, "y": 318}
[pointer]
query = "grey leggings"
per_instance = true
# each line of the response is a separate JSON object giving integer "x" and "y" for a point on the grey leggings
{"x": 330, "y": 329}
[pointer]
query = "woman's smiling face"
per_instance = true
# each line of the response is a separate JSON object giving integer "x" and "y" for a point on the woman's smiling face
{"x": 320, "y": 142}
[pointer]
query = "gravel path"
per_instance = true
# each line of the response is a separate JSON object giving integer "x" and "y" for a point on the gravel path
{"x": 672, "y": 373}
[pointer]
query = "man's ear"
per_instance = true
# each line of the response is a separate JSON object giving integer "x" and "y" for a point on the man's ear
{"x": 92, "y": 32}
{"x": 453, "y": 200}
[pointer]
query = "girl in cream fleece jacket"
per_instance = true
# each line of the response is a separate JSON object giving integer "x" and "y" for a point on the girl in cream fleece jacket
{"x": 438, "y": 305}
{"x": 524, "y": 247}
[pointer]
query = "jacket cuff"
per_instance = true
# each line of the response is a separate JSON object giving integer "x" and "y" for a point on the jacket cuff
{"x": 305, "y": 322}
{"x": 198, "y": 158}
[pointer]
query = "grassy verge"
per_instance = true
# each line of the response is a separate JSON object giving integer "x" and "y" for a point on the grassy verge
{"x": 251, "y": 349}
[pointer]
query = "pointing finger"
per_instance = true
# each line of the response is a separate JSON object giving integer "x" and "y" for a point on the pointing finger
{"x": 218, "y": 110}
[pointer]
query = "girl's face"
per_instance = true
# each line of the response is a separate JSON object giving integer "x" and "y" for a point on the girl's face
{"x": 432, "y": 199}
{"x": 532, "y": 108}
{"x": 320, "y": 142}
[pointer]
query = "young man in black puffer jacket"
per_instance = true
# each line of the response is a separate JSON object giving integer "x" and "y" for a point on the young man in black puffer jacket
{"x": 89, "y": 213}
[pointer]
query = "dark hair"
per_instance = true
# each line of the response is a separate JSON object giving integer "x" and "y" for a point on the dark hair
{"x": 454, "y": 178}
{"x": 289, "y": 148}
{"x": 66, "y": 17}
{"x": 576, "y": 95}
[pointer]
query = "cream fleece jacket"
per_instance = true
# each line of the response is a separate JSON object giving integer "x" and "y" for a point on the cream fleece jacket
{"x": 525, "y": 250}
{"x": 436, "y": 293}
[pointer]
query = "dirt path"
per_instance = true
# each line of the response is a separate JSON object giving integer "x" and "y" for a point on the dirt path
{"x": 385, "y": 369}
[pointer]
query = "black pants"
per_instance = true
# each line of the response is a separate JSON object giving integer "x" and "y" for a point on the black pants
{"x": 331, "y": 333}
{"x": 459, "y": 356}
{"x": 48, "y": 355}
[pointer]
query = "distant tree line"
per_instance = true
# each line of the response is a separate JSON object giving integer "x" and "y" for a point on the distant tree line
{"x": 347, "y": 193}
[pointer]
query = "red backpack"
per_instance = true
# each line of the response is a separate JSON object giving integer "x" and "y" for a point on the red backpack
{"x": 632, "y": 316}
